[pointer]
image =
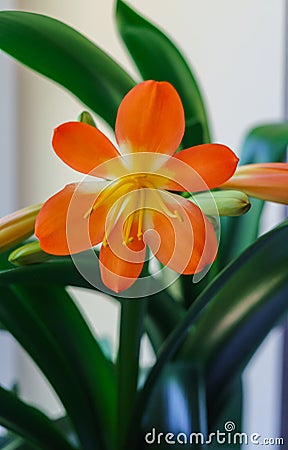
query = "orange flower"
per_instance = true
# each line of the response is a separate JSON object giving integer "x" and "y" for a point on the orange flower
{"x": 267, "y": 181}
{"x": 135, "y": 208}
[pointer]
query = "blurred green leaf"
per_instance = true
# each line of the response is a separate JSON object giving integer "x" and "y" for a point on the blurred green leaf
{"x": 67, "y": 355}
{"x": 14, "y": 442}
{"x": 238, "y": 309}
{"x": 157, "y": 58}
{"x": 163, "y": 314}
{"x": 176, "y": 405}
{"x": 242, "y": 306}
{"x": 227, "y": 407}
{"x": 264, "y": 143}
{"x": 62, "y": 54}
{"x": 30, "y": 423}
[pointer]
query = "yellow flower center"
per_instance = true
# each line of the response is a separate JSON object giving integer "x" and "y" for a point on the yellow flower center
{"x": 117, "y": 195}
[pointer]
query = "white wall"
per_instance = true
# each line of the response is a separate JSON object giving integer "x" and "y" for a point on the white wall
{"x": 236, "y": 48}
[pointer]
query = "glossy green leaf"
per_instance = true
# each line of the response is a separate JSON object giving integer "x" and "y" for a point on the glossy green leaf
{"x": 228, "y": 407}
{"x": 238, "y": 308}
{"x": 14, "y": 442}
{"x": 131, "y": 330}
{"x": 62, "y": 54}
{"x": 35, "y": 316}
{"x": 243, "y": 304}
{"x": 30, "y": 423}
{"x": 163, "y": 314}
{"x": 157, "y": 58}
{"x": 264, "y": 143}
{"x": 176, "y": 405}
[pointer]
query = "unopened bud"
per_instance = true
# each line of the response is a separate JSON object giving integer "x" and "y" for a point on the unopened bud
{"x": 18, "y": 226}
{"x": 224, "y": 203}
{"x": 85, "y": 117}
{"x": 30, "y": 253}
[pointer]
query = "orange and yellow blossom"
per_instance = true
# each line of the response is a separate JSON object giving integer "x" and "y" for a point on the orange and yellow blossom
{"x": 134, "y": 207}
{"x": 266, "y": 181}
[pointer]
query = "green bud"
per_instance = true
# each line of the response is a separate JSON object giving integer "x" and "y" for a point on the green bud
{"x": 85, "y": 117}
{"x": 30, "y": 253}
{"x": 224, "y": 203}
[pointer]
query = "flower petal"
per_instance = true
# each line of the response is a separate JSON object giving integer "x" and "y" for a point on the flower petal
{"x": 150, "y": 119}
{"x": 61, "y": 226}
{"x": 185, "y": 244}
{"x": 200, "y": 168}
{"x": 121, "y": 265}
{"x": 267, "y": 181}
{"x": 87, "y": 150}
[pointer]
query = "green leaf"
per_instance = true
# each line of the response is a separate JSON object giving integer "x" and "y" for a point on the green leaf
{"x": 14, "y": 442}
{"x": 62, "y": 54}
{"x": 131, "y": 330}
{"x": 243, "y": 305}
{"x": 176, "y": 405}
{"x": 157, "y": 58}
{"x": 36, "y": 317}
{"x": 163, "y": 314}
{"x": 265, "y": 143}
{"x": 238, "y": 308}
{"x": 30, "y": 423}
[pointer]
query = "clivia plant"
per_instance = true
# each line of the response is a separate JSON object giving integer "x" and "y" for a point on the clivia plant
{"x": 169, "y": 229}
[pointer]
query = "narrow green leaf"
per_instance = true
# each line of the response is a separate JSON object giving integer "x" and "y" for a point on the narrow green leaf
{"x": 157, "y": 58}
{"x": 61, "y": 270}
{"x": 90, "y": 367}
{"x": 245, "y": 302}
{"x": 176, "y": 405}
{"x": 35, "y": 317}
{"x": 131, "y": 330}
{"x": 62, "y": 54}
{"x": 14, "y": 442}
{"x": 30, "y": 423}
{"x": 163, "y": 314}
{"x": 238, "y": 308}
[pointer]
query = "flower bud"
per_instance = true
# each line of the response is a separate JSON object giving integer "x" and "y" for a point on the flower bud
{"x": 85, "y": 117}
{"x": 226, "y": 203}
{"x": 18, "y": 226}
{"x": 266, "y": 181}
{"x": 30, "y": 253}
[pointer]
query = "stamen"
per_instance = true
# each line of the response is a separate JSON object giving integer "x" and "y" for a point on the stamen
{"x": 112, "y": 220}
{"x": 175, "y": 214}
{"x": 108, "y": 192}
{"x": 141, "y": 215}
{"x": 127, "y": 228}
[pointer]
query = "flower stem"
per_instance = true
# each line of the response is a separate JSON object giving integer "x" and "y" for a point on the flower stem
{"x": 131, "y": 329}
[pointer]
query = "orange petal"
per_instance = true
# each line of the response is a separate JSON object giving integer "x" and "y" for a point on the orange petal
{"x": 121, "y": 265}
{"x": 150, "y": 119}
{"x": 185, "y": 244}
{"x": 200, "y": 168}
{"x": 61, "y": 226}
{"x": 87, "y": 150}
{"x": 267, "y": 181}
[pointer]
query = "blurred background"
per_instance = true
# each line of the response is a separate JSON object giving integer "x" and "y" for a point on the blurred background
{"x": 237, "y": 50}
